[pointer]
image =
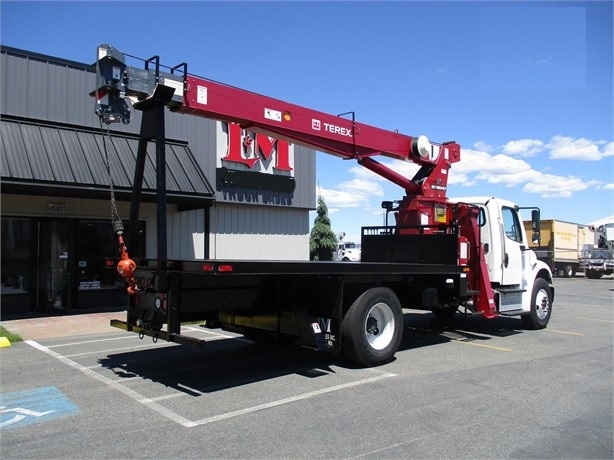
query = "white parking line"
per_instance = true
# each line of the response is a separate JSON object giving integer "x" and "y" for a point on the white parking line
{"x": 127, "y": 391}
{"x": 132, "y": 336}
{"x": 563, "y": 332}
{"x": 135, "y": 347}
{"x": 162, "y": 344}
{"x": 209, "y": 331}
{"x": 91, "y": 341}
{"x": 291, "y": 399}
{"x": 152, "y": 402}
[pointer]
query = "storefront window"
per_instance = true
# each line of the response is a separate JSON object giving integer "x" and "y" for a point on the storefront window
{"x": 17, "y": 254}
{"x": 98, "y": 254}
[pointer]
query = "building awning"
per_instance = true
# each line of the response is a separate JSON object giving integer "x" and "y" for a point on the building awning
{"x": 46, "y": 159}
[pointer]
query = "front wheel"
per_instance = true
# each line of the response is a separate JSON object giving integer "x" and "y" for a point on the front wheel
{"x": 372, "y": 328}
{"x": 541, "y": 306}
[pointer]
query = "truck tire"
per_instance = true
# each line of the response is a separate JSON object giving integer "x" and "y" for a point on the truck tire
{"x": 541, "y": 306}
{"x": 372, "y": 328}
{"x": 568, "y": 271}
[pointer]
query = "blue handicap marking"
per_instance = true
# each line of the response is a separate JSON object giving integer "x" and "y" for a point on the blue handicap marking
{"x": 33, "y": 406}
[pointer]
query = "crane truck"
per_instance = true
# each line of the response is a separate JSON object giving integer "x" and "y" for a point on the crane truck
{"x": 469, "y": 254}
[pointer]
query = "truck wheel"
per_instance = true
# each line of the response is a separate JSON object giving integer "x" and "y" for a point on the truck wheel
{"x": 541, "y": 306}
{"x": 568, "y": 271}
{"x": 372, "y": 328}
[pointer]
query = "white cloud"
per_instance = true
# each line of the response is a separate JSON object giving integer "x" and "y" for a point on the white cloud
{"x": 483, "y": 146}
{"x": 506, "y": 171}
{"x": 487, "y": 164}
{"x": 362, "y": 187}
{"x": 561, "y": 148}
{"x": 551, "y": 186}
{"x": 340, "y": 199}
{"x": 568, "y": 148}
{"x": 523, "y": 147}
{"x": 354, "y": 193}
{"x": 608, "y": 150}
{"x": 460, "y": 178}
{"x": 479, "y": 167}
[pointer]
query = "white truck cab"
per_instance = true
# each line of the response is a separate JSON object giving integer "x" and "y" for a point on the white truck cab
{"x": 515, "y": 273}
{"x": 348, "y": 251}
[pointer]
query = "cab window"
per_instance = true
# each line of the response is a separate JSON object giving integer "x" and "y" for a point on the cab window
{"x": 511, "y": 224}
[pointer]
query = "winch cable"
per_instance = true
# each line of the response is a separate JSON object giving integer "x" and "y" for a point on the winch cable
{"x": 126, "y": 266}
{"x": 116, "y": 220}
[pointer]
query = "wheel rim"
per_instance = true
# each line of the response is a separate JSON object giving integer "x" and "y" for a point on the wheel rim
{"x": 379, "y": 326}
{"x": 542, "y": 304}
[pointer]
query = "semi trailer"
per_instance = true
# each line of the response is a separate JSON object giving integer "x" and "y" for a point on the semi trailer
{"x": 561, "y": 245}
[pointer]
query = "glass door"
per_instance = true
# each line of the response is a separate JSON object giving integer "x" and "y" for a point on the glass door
{"x": 54, "y": 264}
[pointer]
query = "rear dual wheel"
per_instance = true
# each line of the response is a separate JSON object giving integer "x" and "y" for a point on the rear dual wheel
{"x": 372, "y": 328}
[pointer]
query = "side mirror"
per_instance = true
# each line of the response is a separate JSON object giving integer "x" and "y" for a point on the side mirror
{"x": 535, "y": 221}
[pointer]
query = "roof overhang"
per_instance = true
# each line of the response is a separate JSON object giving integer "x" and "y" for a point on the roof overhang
{"x": 39, "y": 158}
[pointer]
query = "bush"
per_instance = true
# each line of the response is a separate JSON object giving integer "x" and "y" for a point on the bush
{"x": 13, "y": 338}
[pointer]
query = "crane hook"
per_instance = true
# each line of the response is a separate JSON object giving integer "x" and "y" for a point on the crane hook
{"x": 126, "y": 266}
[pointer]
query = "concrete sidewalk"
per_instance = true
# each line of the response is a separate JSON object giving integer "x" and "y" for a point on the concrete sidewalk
{"x": 47, "y": 327}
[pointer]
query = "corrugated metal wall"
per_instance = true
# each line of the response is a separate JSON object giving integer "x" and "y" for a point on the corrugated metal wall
{"x": 269, "y": 233}
{"x": 57, "y": 90}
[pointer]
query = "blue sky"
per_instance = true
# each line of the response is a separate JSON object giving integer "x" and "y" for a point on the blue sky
{"x": 525, "y": 87}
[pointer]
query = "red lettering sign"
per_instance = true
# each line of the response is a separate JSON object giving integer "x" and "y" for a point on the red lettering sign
{"x": 263, "y": 146}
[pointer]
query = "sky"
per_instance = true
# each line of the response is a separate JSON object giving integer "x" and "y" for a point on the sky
{"x": 525, "y": 87}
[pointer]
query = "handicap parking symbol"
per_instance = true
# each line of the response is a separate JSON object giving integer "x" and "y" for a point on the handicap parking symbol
{"x": 33, "y": 406}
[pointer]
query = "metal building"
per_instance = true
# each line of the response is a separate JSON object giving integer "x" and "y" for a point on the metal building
{"x": 58, "y": 246}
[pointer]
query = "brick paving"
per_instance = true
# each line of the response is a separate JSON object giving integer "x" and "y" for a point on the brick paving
{"x": 47, "y": 327}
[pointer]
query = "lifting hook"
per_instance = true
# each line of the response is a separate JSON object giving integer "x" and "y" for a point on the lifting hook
{"x": 126, "y": 266}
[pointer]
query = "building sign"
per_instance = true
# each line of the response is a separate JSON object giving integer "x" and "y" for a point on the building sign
{"x": 253, "y": 160}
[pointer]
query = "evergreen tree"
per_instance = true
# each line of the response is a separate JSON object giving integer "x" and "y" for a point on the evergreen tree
{"x": 322, "y": 239}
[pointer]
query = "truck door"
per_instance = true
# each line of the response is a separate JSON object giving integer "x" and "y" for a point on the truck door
{"x": 512, "y": 246}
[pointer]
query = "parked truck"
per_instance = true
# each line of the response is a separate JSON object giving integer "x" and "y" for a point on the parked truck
{"x": 347, "y": 251}
{"x": 470, "y": 254}
{"x": 598, "y": 256}
{"x": 561, "y": 245}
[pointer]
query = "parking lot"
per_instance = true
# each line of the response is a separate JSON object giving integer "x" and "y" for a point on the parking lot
{"x": 467, "y": 388}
